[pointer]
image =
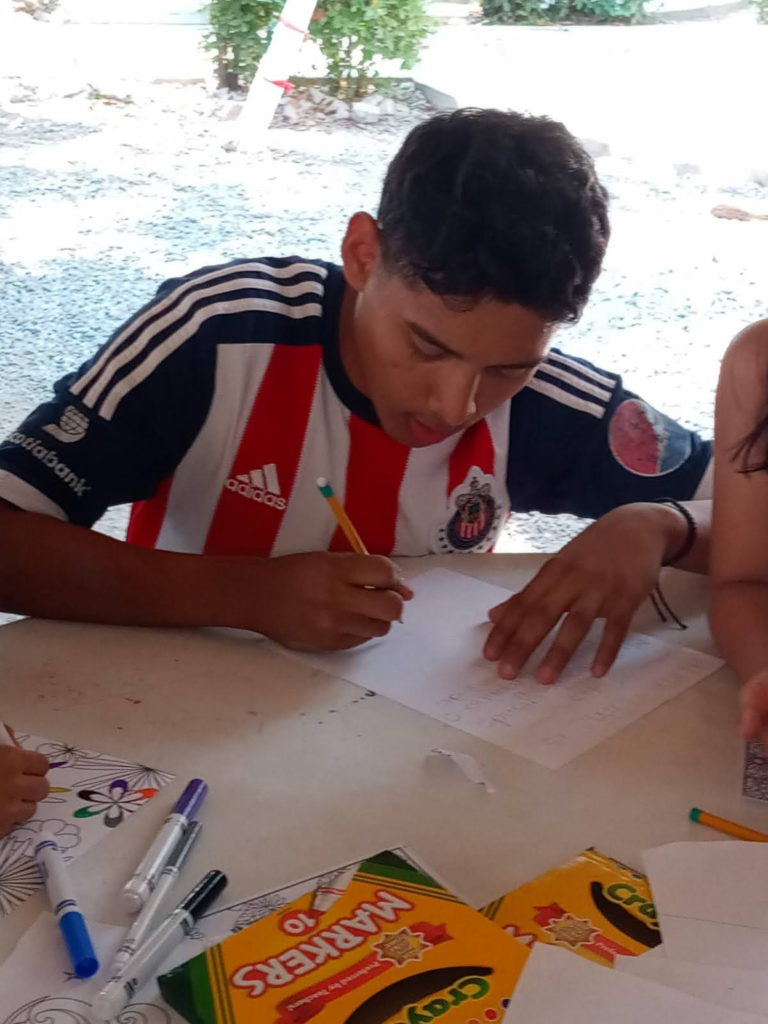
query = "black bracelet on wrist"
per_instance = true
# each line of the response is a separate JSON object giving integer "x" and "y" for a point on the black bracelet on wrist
{"x": 690, "y": 540}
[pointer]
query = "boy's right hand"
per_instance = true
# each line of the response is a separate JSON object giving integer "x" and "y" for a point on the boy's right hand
{"x": 329, "y": 602}
{"x": 22, "y": 785}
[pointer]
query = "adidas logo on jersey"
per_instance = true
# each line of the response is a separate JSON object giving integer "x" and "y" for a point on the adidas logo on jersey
{"x": 260, "y": 485}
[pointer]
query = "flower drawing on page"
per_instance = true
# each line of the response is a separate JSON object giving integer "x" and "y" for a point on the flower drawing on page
{"x": 19, "y": 877}
{"x": 62, "y": 755}
{"x": 115, "y": 802}
{"x": 66, "y": 834}
{"x": 253, "y": 910}
{"x": 138, "y": 776}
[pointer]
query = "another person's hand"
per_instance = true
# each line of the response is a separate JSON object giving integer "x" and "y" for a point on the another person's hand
{"x": 22, "y": 785}
{"x": 322, "y": 601}
{"x": 604, "y": 573}
{"x": 754, "y": 708}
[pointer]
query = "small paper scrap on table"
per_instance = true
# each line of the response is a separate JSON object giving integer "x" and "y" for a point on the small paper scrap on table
{"x": 433, "y": 663}
{"x": 91, "y": 794}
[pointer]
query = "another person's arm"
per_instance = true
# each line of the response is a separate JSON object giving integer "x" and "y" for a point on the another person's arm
{"x": 584, "y": 445}
{"x": 22, "y": 785}
{"x": 739, "y": 609}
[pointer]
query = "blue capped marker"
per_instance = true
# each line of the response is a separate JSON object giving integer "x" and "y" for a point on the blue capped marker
{"x": 64, "y": 903}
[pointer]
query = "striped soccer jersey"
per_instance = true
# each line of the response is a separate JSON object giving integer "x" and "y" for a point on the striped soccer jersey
{"x": 216, "y": 408}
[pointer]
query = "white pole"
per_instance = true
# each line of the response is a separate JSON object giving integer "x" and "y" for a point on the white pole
{"x": 275, "y": 68}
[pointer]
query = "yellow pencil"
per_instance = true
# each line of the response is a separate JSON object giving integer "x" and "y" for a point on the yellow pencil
{"x": 355, "y": 541}
{"x": 730, "y": 828}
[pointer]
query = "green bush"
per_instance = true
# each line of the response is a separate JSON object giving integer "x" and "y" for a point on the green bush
{"x": 353, "y": 33}
{"x": 541, "y": 12}
{"x": 761, "y": 6}
{"x": 238, "y": 37}
{"x": 350, "y": 33}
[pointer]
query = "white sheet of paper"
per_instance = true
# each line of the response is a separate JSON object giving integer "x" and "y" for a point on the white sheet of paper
{"x": 712, "y": 901}
{"x": 724, "y": 986}
{"x": 433, "y": 663}
{"x": 557, "y": 986}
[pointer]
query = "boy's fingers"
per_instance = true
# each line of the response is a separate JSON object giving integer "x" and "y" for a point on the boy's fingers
{"x": 346, "y": 642}
{"x": 363, "y": 627}
{"x": 535, "y": 620}
{"x": 614, "y": 635}
{"x": 508, "y": 618}
{"x": 373, "y": 571}
{"x": 384, "y": 605}
{"x": 496, "y": 613}
{"x": 548, "y": 595}
{"x": 573, "y": 630}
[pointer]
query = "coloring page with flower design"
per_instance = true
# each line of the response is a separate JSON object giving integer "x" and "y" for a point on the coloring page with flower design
{"x": 36, "y": 981}
{"x": 91, "y": 794}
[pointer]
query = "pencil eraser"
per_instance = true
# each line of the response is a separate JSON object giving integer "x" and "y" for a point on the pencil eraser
{"x": 694, "y": 815}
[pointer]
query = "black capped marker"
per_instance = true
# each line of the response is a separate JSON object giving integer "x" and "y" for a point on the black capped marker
{"x": 166, "y": 937}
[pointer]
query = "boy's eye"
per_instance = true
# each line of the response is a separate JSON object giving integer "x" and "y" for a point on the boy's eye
{"x": 425, "y": 349}
{"x": 509, "y": 372}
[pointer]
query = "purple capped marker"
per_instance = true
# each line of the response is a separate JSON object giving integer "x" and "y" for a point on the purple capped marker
{"x": 142, "y": 882}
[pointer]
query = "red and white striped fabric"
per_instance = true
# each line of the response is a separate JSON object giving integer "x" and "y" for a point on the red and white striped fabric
{"x": 275, "y": 425}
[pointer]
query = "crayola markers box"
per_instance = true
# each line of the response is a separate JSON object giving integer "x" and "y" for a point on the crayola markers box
{"x": 593, "y": 905}
{"x": 395, "y": 948}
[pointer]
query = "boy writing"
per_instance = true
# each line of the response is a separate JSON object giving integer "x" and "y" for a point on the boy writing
{"x": 418, "y": 378}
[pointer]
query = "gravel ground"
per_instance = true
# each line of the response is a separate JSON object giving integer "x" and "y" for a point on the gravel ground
{"x": 101, "y": 201}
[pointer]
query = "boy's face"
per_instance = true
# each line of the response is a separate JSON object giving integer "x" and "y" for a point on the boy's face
{"x": 430, "y": 370}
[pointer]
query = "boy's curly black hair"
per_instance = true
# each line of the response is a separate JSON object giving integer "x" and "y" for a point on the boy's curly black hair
{"x": 484, "y": 204}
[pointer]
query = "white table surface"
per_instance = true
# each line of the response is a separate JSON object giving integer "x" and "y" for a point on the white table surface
{"x": 306, "y": 771}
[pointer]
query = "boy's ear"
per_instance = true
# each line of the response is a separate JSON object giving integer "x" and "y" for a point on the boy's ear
{"x": 360, "y": 250}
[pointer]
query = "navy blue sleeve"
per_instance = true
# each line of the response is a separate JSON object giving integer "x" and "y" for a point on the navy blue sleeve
{"x": 115, "y": 429}
{"x": 581, "y": 443}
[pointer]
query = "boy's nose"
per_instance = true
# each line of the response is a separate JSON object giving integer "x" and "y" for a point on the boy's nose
{"x": 454, "y": 400}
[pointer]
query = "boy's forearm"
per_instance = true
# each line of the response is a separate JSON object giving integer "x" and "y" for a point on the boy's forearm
{"x": 739, "y": 621}
{"x": 51, "y": 569}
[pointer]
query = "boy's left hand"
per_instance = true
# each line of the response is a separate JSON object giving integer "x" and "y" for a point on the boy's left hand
{"x": 604, "y": 573}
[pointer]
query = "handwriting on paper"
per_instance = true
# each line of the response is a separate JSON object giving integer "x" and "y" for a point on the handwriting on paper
{"x": 433, "y": 663}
